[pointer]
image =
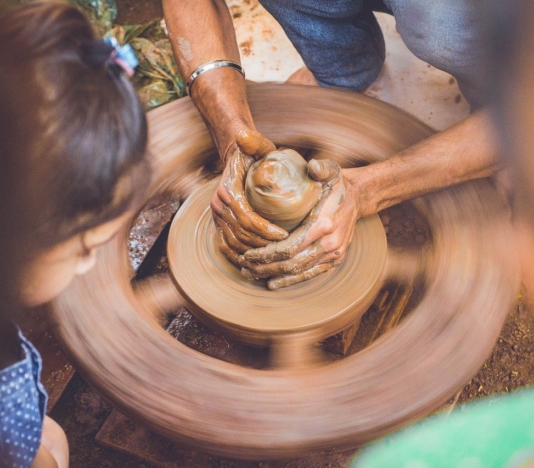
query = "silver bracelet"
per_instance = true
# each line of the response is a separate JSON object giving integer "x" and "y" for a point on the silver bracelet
{"x": 211, "y": 66}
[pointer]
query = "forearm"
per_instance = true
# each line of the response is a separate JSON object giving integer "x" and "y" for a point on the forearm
{"x": 464, "y": 152}
{"x": 202, "y": 31}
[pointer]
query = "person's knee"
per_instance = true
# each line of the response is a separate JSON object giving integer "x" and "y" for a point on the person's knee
{"x": 333, "y": 9}
{"x": 444, "y": 34}
{"x": 340, "y": 41}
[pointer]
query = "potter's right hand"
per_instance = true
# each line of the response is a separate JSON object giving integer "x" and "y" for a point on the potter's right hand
{"x": 239, "y": 228}
{"x": 319, "y": 244}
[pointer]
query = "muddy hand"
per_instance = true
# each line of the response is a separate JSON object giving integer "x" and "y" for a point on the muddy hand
{"x": 318, "y": 244}
{"x": 238, "y": 225}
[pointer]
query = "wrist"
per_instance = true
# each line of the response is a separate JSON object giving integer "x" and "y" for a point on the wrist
{"x": 220, "y": 96}
{"x": 226, "y": 138}
{"x": 209, "y": 66}
{"x": 361, "y": 186}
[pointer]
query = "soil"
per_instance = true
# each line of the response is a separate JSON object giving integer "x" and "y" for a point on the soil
{"x": 138, "y": 11}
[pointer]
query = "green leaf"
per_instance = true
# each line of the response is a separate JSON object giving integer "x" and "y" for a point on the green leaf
{"x": 102, "y": 13}
{"x": 157, "y": 78}
{"x": 157, "y": 61}
{"x": 155, "y": 94}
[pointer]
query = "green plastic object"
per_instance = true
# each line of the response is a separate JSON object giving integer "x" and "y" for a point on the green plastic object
{"x": 494, "y": 432}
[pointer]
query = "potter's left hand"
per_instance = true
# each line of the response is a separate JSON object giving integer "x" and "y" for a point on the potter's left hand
{"x": 239, "y": 227}
{"x": 318, "y": 244}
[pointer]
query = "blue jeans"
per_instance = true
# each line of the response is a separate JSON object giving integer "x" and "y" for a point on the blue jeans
{"x": 342, "y": 45}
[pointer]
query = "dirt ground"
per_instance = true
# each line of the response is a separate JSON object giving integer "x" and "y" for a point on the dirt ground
{"x": 138, "y": 11}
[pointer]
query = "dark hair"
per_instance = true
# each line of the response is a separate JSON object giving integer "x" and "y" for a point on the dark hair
{"x": 16, "y": 214}
{"x": 85, "y": 149}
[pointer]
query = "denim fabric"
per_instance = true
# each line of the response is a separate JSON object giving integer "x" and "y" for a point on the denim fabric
{"x": 341, "y": 42}
{"x": 23, "y": 401}
{"x": 447, "y": 35}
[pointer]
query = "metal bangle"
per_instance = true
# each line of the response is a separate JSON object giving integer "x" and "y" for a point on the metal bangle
{"x": 211, "y": 66}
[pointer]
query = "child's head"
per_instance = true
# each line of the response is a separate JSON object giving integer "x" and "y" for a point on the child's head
{"x": 80, "y": 133}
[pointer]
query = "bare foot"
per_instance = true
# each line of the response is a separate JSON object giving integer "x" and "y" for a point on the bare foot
{"x": 303, "y": 76}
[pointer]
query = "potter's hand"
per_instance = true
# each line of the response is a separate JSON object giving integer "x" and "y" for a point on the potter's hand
{"x": 239, "y": 228}
{"x": 318, "y": 244}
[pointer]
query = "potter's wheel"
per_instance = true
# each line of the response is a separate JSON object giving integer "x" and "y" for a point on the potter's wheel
{"x": 113, "y": 331}
{"x": 217, "y": 292}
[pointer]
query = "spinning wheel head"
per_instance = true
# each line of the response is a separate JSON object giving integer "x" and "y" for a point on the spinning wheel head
{"x": 218, "y": 293}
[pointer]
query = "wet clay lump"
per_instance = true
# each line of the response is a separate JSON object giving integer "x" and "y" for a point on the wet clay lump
{"x": 279, "y": 188}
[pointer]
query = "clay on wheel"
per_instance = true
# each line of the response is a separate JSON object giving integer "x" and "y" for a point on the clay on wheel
{"x": 279, "y": 188}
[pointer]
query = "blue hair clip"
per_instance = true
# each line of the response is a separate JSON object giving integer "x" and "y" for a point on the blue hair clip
{"x": 123, "y": 56}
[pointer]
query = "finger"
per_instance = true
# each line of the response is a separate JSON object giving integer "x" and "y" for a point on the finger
{"x": 246, "y": 273}
{"x": 244, "y": 236}
{"x": 233, "y": 242}
{"x": 225, "y": 248}
{"x": 274, "y": 252}
{"x": 284, "y": 281}
{"x": 251, "y": 222}
{"x": 323, "y": 170}
{"x": 217, "y": 204}
{"x": 254, "y": 143}
{"x": 302, "y": 261}
{"x": 232, "y": 185}
{"x": 288, "y": 248}
{"x": 254, "y": 223}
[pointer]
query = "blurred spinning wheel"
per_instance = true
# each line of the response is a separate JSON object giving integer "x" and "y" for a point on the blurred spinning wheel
{"x": 301, "y": 404}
